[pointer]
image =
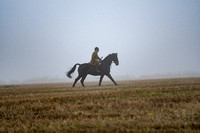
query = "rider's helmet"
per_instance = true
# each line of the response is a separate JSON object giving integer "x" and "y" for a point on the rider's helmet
{"x": 96, "y": 48}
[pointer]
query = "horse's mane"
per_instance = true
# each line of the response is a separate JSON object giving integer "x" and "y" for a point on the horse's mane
{"x": 107, "y": 57}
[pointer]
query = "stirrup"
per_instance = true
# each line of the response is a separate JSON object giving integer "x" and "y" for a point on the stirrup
{"x": 97, "y": 69}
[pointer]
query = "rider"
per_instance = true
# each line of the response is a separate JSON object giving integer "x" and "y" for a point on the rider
{"x": 95, "y": 60}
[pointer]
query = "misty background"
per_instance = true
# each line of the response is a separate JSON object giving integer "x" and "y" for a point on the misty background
{"x": 41, "y": 40}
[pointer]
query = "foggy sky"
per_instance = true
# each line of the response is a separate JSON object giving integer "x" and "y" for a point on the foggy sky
{"x": 46, "y": 38}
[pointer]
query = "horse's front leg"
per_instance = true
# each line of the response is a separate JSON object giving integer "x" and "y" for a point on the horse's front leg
{"x": 101, "y": 80}
{"x": 110, "y": 77}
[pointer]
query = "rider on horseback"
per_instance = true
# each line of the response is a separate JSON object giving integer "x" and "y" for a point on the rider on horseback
{"x": 95, "y": 60}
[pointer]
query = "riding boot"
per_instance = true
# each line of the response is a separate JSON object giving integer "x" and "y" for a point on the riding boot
{"x": 97, "y": 69}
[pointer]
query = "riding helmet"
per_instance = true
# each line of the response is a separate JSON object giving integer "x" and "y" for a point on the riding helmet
{"x": 96, "y": 48}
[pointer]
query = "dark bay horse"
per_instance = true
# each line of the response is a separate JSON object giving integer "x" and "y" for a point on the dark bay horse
{"x": 86, "y": 68}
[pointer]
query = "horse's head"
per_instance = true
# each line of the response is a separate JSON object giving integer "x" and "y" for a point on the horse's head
{"x": 115, "y": 59}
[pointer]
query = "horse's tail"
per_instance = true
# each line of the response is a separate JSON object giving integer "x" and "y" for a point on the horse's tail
{"x": 68, "y": 74}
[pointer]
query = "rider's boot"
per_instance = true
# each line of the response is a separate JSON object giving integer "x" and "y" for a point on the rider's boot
{"x": 97, "y": 69}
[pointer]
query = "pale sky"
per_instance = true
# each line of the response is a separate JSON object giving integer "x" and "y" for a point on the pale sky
{"x": 41, "y": 38}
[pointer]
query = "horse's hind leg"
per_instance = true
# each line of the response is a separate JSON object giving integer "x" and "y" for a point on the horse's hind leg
{"x": 82, "y": 80}
{"x": 76, "y": 80}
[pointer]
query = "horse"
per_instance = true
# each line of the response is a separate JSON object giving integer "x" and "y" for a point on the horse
{"x": 86, "y": 68}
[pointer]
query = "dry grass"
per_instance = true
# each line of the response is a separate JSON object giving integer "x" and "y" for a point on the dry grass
{"x": 167, "y": 105}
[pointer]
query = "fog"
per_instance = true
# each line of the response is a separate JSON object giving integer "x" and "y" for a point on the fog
{"x": 44, "y": 39}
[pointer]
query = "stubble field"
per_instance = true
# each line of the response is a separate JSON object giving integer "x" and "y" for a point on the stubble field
{"x": 163, "y": 105}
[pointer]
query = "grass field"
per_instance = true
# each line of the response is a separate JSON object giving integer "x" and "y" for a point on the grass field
{"x": 163, "y": 105}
